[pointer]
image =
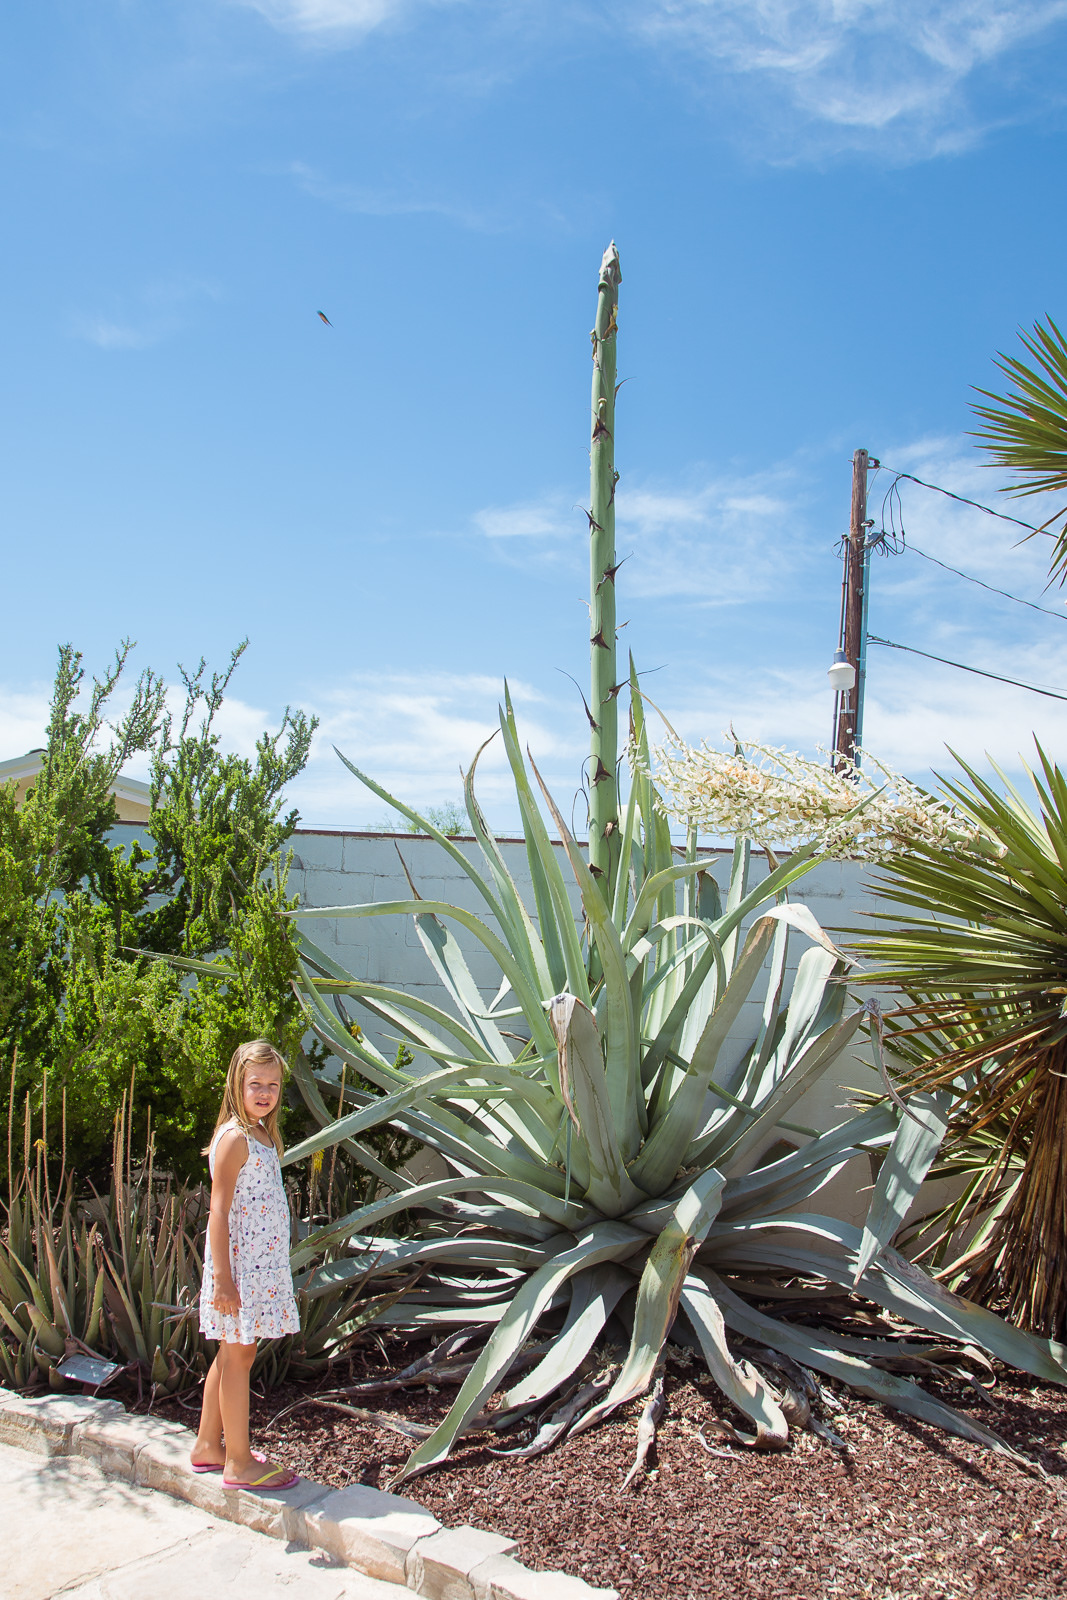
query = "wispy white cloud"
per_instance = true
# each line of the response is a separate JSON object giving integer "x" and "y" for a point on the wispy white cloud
{"x": 370, "y": 201}
{"x": 710, "y": 543}
{"x": 890, "y": 74}
{"x": 148, "y": 317}
{"x": 801, "y": 78}
{"x": 337, "y": 17}
{"x": 715, "y": 545}
{"x": 413, "y": 733}
{"x": 547, "y": 518}
{"x": 23, "y": 719}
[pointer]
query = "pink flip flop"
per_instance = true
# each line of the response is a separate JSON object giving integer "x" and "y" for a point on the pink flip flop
{"x": 264, "y": 1484}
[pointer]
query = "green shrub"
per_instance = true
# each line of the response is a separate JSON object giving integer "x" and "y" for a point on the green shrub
{"x": 85, "y": 997}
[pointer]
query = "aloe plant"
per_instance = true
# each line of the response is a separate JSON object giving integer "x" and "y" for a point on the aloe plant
{"x": 118, "y": 1276}
{"x": 113, "y": 1277}
{"x": 599, "y": 1121}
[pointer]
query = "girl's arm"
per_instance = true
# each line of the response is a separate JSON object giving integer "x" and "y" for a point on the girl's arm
{"x": 230, "y": 1156}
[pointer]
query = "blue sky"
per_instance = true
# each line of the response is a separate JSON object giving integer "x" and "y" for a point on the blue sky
{"x": 830, "y": 217}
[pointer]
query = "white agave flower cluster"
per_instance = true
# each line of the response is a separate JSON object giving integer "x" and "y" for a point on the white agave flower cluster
{"x": 776, "y": 797}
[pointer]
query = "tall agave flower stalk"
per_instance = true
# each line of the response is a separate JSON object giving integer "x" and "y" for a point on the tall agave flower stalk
{"x": 603, "y": 666}
{"x": 602, "y": 1114}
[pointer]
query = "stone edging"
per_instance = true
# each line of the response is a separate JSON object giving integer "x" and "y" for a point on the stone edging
{"x": 382, "y": 1535}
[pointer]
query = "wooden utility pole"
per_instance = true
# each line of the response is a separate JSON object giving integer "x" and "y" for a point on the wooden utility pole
{"x": 848, "y": 700}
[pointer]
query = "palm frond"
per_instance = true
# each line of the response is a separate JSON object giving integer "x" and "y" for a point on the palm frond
{"x": 1025, "y": 430}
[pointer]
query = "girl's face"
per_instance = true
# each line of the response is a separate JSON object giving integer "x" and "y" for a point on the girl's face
{"x": 261, "y": 1090}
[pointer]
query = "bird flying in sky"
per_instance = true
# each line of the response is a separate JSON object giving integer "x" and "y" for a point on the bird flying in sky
{"x": 325, "y": 319}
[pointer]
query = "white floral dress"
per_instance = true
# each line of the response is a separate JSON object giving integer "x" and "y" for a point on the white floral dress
{"x": 259, "y": 1252}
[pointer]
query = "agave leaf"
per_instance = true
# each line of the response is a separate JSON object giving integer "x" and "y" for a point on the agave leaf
{"x": 796, "y": 1082}
{"x": 584, "y": 1086}
{"x": 808, "y": 1346}
{"x": 400, "y": 1010}
{"x": 652, "y": 890}
{"x": 566, "y": 1214}
{"x": 817, "y": 1001}
{"x": 17, "y": 1328}
{"x": 388, "y": 1107}
{"x": 660, "y": 1158}
{"x": 344, "y": 1044}
{"x": 918, "y": 1139}
{"x": 784, "y": 1183}
{"x": 560, "y": 1420}
{"x": 767, "y": 1037}
{"x": 448, "y": 961}
{"x": 683, "y": 1005}
{"x": 447, "y": 844}
{"x": 450, "y": 964}
{"x": 657, "y": 1294}
{"x": 773, "y": 885}
{"x": 812, "y": 1244}
{"x": 554, "y": 910}
{"x": 621, "y": 1030}
{"x": 467, "y": 1215}
{"x": 389, "y": 1255}
{"x": 622, "y": 880}
{"x": 740, "y": 1383}
{"x": 469, "y": 1150}
{"x": 414, "y": 1316}
{"x": 48, "y": 1335}
{"x": 605, "y": 1241}
{"x": 1027, "y": 1352}
{"x": 312, "y": 1097}
{"x": 521, "y": 931}
{"x": 594, "y": 1296}
{"x": 521, "y": 982}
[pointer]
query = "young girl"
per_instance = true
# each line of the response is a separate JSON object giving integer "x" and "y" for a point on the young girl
{"x": 247, "y": 1292}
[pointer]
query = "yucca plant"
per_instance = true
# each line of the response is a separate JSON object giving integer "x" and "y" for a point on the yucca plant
{"x": 599, "y": 1118}
{"x": 1026, "y": 429}
{"x": 982, "y": 962}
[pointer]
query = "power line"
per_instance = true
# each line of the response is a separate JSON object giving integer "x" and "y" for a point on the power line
{"x": 894, "y": 540}
{"x": 1019, "y": 601}
{"x": 937, "y": 489}
{"x": 1050, "y": 694}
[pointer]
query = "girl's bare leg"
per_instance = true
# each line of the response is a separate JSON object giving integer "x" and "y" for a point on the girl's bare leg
{"x": 208, "y": 1449}
{"x": 235, "y": 1367}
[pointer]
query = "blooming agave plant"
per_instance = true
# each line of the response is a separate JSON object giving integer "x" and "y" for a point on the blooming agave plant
{"x": 599, "y": 1122}
{"x": 602, "y": 1131}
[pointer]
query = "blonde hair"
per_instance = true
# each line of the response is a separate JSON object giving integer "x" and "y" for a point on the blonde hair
{"x": 256, "y": 1053}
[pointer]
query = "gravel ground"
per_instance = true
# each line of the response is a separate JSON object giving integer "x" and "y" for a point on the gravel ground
{"x": 905, "y": 1511}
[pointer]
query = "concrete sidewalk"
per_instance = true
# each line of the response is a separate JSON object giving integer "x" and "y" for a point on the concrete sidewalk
{"x": 68, "y": 1530}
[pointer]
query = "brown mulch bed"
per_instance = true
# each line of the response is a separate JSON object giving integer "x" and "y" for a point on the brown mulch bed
{"x": 905, "y": 1512}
